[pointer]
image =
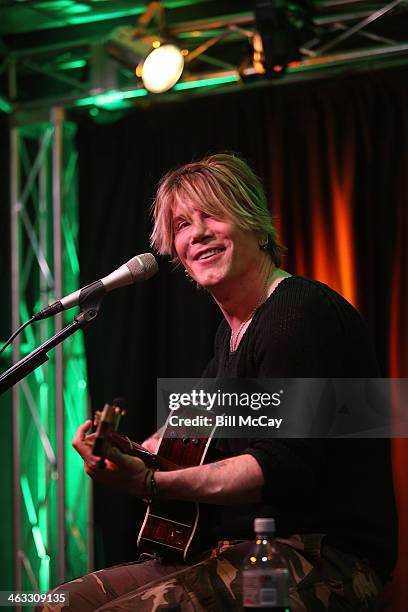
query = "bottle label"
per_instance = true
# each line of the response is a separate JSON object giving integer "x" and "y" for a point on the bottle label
{"x": 263, "y": 589}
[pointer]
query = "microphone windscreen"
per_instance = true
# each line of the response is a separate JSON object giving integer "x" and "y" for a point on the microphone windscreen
{"x": 142, "y": 267}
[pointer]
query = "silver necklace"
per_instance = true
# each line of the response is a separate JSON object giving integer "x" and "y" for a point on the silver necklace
{"x": 234, "y": 338}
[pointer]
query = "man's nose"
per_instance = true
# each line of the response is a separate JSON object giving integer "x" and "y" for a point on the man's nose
{"x": 200, "y": 230}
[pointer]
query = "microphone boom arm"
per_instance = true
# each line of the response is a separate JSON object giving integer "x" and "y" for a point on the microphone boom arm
{"x": 38, "y": 356}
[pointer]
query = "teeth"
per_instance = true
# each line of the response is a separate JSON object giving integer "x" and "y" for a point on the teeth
{"x": 210, "y": 253}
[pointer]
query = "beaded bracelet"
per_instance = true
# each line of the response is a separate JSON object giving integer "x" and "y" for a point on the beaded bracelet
{"x": 147, "y": 475}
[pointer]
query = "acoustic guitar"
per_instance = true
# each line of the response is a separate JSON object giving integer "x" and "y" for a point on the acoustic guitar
{"x": 170, "y": 528}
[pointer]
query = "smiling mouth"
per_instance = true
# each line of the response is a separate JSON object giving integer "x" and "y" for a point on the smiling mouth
{"x": 208, "y": 254}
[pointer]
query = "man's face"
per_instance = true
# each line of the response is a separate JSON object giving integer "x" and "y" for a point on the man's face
{"x": 214, "y": 251}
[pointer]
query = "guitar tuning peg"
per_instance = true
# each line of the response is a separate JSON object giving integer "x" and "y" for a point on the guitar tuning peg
{"x": 119, "y": 404}
{"x": 97, "y": 418}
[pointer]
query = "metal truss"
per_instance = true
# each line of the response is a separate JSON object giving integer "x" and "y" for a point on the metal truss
{"x": 51, "y": 493}
{"x": 344, "y": 35}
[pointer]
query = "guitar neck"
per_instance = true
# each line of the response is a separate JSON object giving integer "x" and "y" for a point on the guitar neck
{"x": 127, "y": 446}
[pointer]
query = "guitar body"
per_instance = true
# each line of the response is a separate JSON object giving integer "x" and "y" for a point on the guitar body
{"x": 169, "y": 527}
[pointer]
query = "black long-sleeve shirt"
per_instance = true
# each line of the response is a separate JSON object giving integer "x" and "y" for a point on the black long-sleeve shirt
{"x": 339, "y": 487}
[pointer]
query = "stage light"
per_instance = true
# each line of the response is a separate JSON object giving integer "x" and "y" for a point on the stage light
{"x": 162, "y": 68}
{"x": 159, "y": 64}
{"x": 281, "y": 29}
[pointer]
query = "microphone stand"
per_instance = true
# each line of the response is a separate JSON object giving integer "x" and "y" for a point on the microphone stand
{"x": 26, "y": 365}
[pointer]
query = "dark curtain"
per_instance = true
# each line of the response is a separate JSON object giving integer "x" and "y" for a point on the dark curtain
{"x": 333, "y": 156}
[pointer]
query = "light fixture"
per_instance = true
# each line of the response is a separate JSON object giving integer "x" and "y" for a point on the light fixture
{"x": 281, "y": 29}
{"x": 162, "y": 68}
{"x": 158, "y": 63}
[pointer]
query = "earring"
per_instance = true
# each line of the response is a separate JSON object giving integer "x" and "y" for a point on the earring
{"x": 264, "y": 245}
{"x": 187, "y": 275}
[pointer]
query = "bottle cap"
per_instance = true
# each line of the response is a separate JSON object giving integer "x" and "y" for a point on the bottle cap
{"x": 264, "y": 525}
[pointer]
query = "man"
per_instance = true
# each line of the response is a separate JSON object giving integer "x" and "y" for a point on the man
{"x": 332, "y": 499}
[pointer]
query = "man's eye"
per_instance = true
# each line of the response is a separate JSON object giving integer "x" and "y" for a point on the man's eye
{"x": 180, "y": 225}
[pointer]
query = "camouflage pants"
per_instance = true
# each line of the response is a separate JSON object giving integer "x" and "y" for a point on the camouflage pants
{"x": 322, "y": 579}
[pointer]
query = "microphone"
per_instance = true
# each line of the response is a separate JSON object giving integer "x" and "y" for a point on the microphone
{"x": 138, "y": 269}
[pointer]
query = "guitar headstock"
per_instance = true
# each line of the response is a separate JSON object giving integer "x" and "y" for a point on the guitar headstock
{"x": 110, "y": 416}
{"x": 107, "y": 422}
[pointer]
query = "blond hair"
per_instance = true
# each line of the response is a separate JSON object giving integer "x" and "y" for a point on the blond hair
{"x": 223, "y": 186}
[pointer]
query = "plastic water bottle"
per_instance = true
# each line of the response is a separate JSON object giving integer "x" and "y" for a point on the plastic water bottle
{"x": 265, "y": 573}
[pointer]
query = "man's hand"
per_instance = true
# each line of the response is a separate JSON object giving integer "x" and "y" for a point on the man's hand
{"x": 128, "y": 474}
